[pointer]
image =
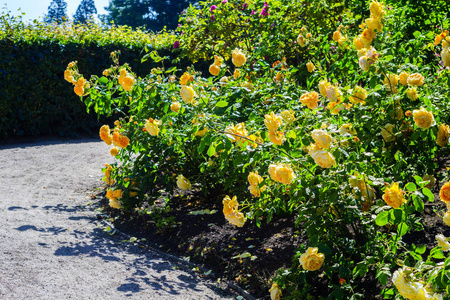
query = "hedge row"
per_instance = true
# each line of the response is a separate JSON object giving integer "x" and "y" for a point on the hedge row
{"x": 34, "y": 98}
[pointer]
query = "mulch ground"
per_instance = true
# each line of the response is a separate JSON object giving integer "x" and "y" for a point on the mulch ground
{"x": 248, "y": 256}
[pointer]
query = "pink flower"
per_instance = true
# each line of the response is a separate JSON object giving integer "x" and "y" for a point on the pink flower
{"x": 213, "y": 7}
{"x": 224, "y": 1}
{"x": 176, "y": 44}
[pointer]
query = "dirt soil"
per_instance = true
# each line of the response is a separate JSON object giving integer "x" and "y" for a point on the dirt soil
{"x": 52, "y": 244}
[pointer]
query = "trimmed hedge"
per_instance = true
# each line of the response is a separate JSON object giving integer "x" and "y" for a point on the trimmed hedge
{"x": 35, "y": 99}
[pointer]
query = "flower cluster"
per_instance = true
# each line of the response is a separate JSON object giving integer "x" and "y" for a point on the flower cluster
{"x": 231, "y": 213}
{"x": 114, "y": 197}
{"x": 282, "y": 173}
{"x": 126, "y": 80}
{"x": 152, "y": 126}
{"x": 255, "y": 179}
{"x": 72, "y": 75}
{"x": 410, "y": 288}
{"x": 272, "y": 123}
{"x": 318, "y": 150}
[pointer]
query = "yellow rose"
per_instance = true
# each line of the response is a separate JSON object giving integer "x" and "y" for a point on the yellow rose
{"x": 151, "y": 126}
{"x": 236, "y": 218}
{"x": 415, "y": 79}
{"x": 446, "y": 218}
{"x": 114, "y": 151}
{"x": 238, "y": 58}
{"x": 114, "y": 203}
{"x": 347, "y": 129}
{"x": 288, "y": 116}
{"x": 412, "y": 94}
{"x": 79, "y": 90}
{"x": 236, "y": 73}
{"x": 374, "y": 24}
{"x": 229, "y": 205}
{"x": 214, "y": 70}
{"x": 443, "y": 135}
{"x": 122, "y": 142}
{"x": 323, "y": 158}
{"x": 275, "y": 292}
{"x": 276, "y": 137}
{"x": 310, "y": 99}
{"x": 255, "y": 190}
{"x": 311, "y": 260}
{"x": 183, "y": 183}
{"x": 323, "y": 86}
{"x": 442, "y": 242}
{"x": 109, "y": 194}
{"x": 68, "y": 75}
{"x": 187, "y": 94}
{"x": 117, "y": 194}
{"x": 391, "y": 82}
{"x": 202, "y": 132}
{"x": 224, "y": 80}
{"x": 301, "y": 40}
{"x": 272, "y": 121}
{"x": 444, "y": 193}
{"x": 281, "y": 173}
{"x": 333, "y": 93}
{"x": 358, "y": 43}
{"x": 337, "y": 36}
{"x": 393, "y": 196}
{"x": 310, "y": 66}
{"x": 358, "y": 95}
{"x": 445, "y": 54}
{"x": 218, "y": 60}
{"x": 254, "y": 178}
{"x": 403, "y": 77}
{"x": 367, "y": 36}
{"x": 175, "y": 106}
{"x": 235, "y": 131}
{"x": 423, "y": 118}
{"x": 128, "y": 82}
{"x": 376, "y": 9}
{"x": 105, "y": 134}
{"x": 322, "y": 138}
{"x": 249, "y": 86}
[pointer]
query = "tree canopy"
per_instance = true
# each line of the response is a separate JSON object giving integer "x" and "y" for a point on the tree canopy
{"x": 85, "y": 11}
{"x": 153, "y": 14}
{"x": 57, "y": 11}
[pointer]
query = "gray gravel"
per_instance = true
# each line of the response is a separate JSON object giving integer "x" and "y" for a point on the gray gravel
{"x": 53, "y": 247}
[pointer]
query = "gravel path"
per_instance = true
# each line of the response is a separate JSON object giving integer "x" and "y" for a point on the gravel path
{"x": 51, "y": 243}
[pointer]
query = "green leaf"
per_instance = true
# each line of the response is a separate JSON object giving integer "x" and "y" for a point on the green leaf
{"x": 103, "y": 80}
{"x": 421, "y": 249}
{"x": 402, "y": 229}
{"x": 211, "y": 150}
{"x": 382, "y": 218}
{"x": 437, "y": 253}
{"x": 410, "y": 187}
{"x": 221, "y": 103}
{"x": 428, "y": 193}
{"x": 418, "y": 203}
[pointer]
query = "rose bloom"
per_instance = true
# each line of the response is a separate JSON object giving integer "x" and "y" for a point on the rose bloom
{"x": 310, "y": 99}
{"x": 403, "y": 77}
{"x": 214, "y": 70}
{"x": 446, "y": 218}
{"x": 443, "y": 135}
{"x": 68, "y": 75}
{"x": 238, "y": 58}
{"x": 218, "y": 60}
{"x": 236, "y": 218}
{"x": 151, "y": 126}
{"x": 122, "y": 142}
{"x": 323, "y": 86}
{"x": 311, "y": 260}
{"x": 202, "y": 132}
{"x": 423, "y": 118}
{"x": 117, "y": 194}
{"x": 412, "y": 94}
{"x": 276, "y": 137}
{"x": 301, "y": 40}
{"x": 376, "y": 9}
{"x": 347, "y": 129}
{"x": 185, "y": 78}
{"x": 175, "y": 106}
{"x": 109, "y": 194}
{"x": 358, "y": 43}
{"x": 358, "y": 95}
{"x": 337, "y": 36}
{"x": 236, "y": 73}
{"x": 444, "y": 193}
{"x": 187, "y": 94}
{"x": 445, "y": 54}
{"x": 374, "y": 24}
{"x": 310, "y": 66}
{"x": 255, "y": 190}
{"x": 322, "y": 138}
{"x": 114, "y": 203}
{"x": 254, "y": 178}
{"x": 183, "y": 183}
{"x": 105, "y": 134}
{"x": 390, "y": 82}
{"x": 393, "y": 196}
{"x": 229, "y": 205}
{"x": 114, "y": 151}
{"x": 388, "y": 133}
{"x": 415, "y": 79}
{"x": 333, "y": 93}
{"x": 407, "y": 288}
{"x": 323, "y": 158}
{"x": 79, "y": 90}
{"x": 442, "y": 242}
{"x": 367, "y": 36}
{"x": 128, "y": 82}
{"x": 275, "y": 292}
{"x": 272, "y": 121}
{"x": 288, "y": 116}
{"x": 281, "y": 173}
